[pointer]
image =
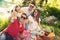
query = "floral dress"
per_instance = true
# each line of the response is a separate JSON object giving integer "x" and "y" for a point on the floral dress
{"x": 33, "y": 27}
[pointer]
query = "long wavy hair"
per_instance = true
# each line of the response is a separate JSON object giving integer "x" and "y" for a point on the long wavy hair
{"x": 16, "y": 7}
{"x": 38, "y": 15}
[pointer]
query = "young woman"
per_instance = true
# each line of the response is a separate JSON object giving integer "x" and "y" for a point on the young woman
{"x": 34, "y": 22}
{"x": 14, "y": 28}
{"x": 36, "y": 15}
{"x": 19, "y": 11}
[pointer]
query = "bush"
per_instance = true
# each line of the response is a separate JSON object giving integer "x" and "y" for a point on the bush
{"x": 54, "y": 11}
{"x": 3, "y": 24}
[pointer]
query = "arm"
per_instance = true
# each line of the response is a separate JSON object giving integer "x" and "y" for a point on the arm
{"x": 39, "y": 23}
{"x": 4, "y": 29}
{"x": 40, "y": 26}
{"x": 21, "y": 35}
{"x": 12, "y": 16}
{"x": 10, "y": 20}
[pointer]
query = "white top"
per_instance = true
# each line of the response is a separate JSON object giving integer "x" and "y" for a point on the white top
{"x": 33, "y": 25}
{"x": 27, "y": 11}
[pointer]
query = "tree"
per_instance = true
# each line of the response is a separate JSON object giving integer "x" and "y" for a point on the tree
{"x": 41, "y": 2}
{"x": 26, "y": 2}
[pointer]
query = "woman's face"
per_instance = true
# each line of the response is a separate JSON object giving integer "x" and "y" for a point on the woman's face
{"x": 18, "y": 9}
{"x": 35, "y": 13}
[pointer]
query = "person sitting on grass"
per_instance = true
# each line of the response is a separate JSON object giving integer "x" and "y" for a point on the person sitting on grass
{"x": 34, "y": 22}
{"x": 19, "y": 11}
{"x": 14, "y": 28}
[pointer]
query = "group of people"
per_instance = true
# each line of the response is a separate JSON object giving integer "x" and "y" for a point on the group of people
{"x": 24, "y": 24}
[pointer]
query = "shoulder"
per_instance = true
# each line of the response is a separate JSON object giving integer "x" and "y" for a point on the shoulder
{"x": 22, "y": 11}
{"x": 30, "y": 17}
{"x": 24, "y": 7}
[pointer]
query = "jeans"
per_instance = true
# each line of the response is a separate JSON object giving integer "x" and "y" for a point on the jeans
{"x": 6, "y": 36}
{"x": 26, "y": 25}
{"x": 2, "y": 37}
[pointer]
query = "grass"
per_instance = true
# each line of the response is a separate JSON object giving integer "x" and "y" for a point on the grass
{"x": 3, "y": 23}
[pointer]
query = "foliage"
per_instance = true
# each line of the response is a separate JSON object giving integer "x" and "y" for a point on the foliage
{"x": 47, "y": 7}
{"x": 3, "y": 26}
{"x": 3, "y": 23}
{"x": 54, "y": 11}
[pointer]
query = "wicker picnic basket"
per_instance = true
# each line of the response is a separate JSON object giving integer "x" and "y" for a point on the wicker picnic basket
{"x": 50, "y": 36}
{"x": 47, "y": 38}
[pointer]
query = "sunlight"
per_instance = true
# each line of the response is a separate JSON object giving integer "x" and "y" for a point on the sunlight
{"x": 14, "y": 1}
{"x": 8, "y": 1}
{"x": 4, "y": 13}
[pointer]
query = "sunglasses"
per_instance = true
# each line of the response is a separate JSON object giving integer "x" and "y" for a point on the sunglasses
{"x": 24, "y": 17}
